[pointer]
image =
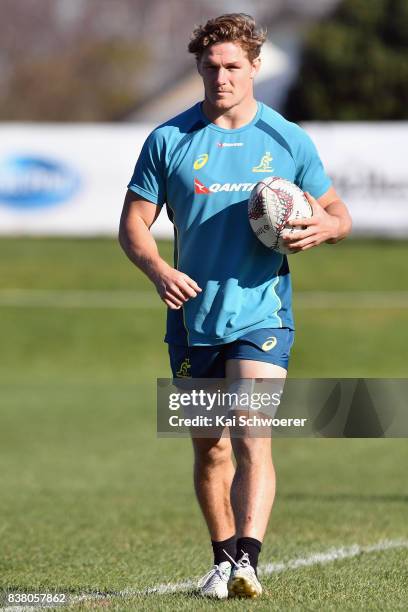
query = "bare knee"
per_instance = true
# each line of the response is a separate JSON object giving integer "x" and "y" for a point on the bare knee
{"x": 252, "y": 451}
{"x": 212, "y": 452}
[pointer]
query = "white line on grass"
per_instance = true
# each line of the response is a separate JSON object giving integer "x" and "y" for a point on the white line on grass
{"x": 351, "y": 299}
{"x": 333, "y": 554}
{"x": 322, "y": 558}
{"x": 77, "y": 298}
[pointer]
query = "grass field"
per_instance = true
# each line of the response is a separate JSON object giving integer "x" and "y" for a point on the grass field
{"x": 91, "y": 501}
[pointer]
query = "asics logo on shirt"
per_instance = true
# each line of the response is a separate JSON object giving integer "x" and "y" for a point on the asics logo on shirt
{"x": 216, "y": 187}
{"x": 200, "y": 161}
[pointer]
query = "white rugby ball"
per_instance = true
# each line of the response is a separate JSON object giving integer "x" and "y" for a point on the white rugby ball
{"x": 273, "y": 202}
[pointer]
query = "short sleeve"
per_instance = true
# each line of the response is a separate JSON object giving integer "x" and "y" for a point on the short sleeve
{"x": 148, "y": 178}
{"x": 310, "y": 173}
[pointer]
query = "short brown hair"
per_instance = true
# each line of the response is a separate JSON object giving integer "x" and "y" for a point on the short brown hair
{"x": 232, "y": 27}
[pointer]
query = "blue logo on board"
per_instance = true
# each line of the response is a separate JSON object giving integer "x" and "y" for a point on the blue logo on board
{"x": 28, "y": 182}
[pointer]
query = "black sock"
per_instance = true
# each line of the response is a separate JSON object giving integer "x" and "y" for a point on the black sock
{"x": 250, "y": 546}
{"x": 229, "y": 545}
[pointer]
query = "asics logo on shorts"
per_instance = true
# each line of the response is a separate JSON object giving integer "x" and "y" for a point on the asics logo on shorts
{"x": 269, "y": 343}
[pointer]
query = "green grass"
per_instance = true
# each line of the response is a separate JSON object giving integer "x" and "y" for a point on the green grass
{"x": 91, "y": 500}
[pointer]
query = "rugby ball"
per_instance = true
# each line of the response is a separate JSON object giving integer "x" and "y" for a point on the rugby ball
{"x": 273, "y": 202}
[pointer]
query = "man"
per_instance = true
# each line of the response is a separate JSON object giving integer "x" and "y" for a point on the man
{"x": 228, "y": 296}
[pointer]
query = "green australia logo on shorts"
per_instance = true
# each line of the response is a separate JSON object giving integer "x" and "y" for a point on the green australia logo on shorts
{"x": 269, "y": 343}
{"x": 183, "y": 371}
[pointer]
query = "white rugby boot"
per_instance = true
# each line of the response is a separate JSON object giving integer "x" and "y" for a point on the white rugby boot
{"x": 214, "y": 583}
{"x": 243, "y": 581}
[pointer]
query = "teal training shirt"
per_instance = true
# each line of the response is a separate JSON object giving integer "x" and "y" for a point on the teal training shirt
{"x": 204, "y": 174}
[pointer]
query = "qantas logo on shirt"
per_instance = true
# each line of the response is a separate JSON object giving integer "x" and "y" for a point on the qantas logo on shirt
{"x": 199, "y": 187}
{"x": 216, "y": 187}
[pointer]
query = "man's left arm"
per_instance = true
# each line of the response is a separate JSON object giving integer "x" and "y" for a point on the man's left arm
{"x": 331, "y": 222}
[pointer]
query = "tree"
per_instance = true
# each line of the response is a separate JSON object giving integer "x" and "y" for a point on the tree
{"x": 354, "y": 65}
{"x": 89, "y": 60}
{"x": 94, "y": 81}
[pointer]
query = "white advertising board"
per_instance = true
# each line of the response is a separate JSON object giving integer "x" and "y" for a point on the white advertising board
{"x": 369, "y": 168}
{"x": 67, "y": 179}
{"x": 71, "y": 179}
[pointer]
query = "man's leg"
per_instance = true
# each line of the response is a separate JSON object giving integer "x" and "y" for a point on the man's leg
{"x": 213, "y": 475}
{"x": 253, "y": 486}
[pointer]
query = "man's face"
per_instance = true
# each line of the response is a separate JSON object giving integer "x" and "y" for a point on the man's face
{"x": 227, "y": 74}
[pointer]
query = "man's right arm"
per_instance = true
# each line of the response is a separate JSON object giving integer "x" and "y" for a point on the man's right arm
{"x": 135, "y": 238}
